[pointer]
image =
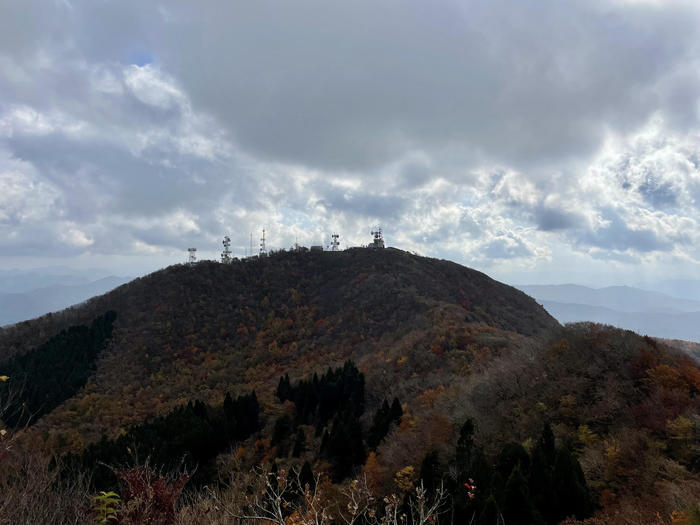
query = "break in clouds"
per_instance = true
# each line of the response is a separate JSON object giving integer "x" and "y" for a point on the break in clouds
{"x": 499, "y": 134}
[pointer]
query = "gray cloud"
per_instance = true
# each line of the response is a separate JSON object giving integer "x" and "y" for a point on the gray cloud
{"x": 502, "y": 131}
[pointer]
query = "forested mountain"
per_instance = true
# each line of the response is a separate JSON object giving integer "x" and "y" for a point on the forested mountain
{"x": 376, "y": 363}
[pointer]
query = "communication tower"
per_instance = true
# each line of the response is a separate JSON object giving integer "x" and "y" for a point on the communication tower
{"x": 226, "y": 254}
{"x": 378, "y": 241}
{"x": 335, "y": 244}
{"x": 192, "y": 255}
{"x": 263, "y": 251}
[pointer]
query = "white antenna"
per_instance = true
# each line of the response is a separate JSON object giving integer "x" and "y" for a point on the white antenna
{"x": 378, "y": 238}
{"x": 335, "y": 245}
{"x": 226, "y": 254}
{"x": 263, "y": 252}
{"x": 251, "y": 245}
{"x": 192, "y": 255}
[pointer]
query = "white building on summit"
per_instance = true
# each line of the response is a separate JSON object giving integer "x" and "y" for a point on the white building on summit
{"x": 378, "y": 241}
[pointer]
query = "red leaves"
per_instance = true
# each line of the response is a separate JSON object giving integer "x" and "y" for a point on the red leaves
{"x": 147, "y": 498}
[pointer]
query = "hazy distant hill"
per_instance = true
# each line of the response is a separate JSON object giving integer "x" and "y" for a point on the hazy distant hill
{"x": 621, "y": 298}
{"x": 685, "y": 288}
{"x": 651, "y": 313}
{"x": 19, "y": 306}
{"x": 671, "y": 326}
{"x": 25, "y": 280}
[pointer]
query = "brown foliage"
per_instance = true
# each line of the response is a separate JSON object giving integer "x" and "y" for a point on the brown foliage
{"x": 148, "y": 498}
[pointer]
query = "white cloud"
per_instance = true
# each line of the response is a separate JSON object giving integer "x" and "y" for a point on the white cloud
{"x": 494, "y": 133}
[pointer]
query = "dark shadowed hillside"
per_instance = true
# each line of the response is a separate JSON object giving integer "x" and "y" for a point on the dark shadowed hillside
{"x": 374, "y": 361}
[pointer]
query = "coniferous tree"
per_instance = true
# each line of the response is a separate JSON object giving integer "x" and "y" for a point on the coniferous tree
{"x": 465, "y": 444}
{"x": 572, "y": 496}
{"x": 431, "y": 471}
{"x": 306, "y": 477}
{"x": 540, "y": 480}
{"x": 299, "y": 443}
{"x": 396, "y": 411}
{"x": 490, "y": 515}
{"x": 517, "y": 506}
{"x": 380, "y": 426}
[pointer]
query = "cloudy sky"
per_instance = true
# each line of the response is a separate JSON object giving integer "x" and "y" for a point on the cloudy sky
{"x": 538, "y": 140}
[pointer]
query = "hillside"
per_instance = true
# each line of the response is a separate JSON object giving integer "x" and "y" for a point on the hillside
{"x": 212, "y": 328}
{"x": 323, "y": 339}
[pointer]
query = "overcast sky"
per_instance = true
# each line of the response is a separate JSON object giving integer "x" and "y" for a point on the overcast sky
{"x": 538, "y": 141}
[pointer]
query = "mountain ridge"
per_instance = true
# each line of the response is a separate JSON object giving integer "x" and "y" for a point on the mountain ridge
{"x": 449, "y": 342}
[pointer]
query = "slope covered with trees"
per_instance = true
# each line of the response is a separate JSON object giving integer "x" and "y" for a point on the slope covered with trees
{"x": 375, "y": 372}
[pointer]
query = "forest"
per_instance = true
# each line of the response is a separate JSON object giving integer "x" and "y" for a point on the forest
{"x": 341, "y": 388}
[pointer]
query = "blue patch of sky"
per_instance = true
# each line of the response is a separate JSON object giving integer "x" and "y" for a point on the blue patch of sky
{"x": 140, "y": 57}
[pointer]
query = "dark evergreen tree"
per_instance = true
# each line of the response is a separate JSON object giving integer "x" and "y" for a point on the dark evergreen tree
{"x": 299, "y": 443}
{"x": 431, "y": 471}
{"x": 191, "y": 436}
{"x": 490, "y": 515}
{"x": 380, "y": 426}
{"x": 572, "y": 497}
{"x": 284, "y": 388}
{"x": 541, "y": 471}
{"x": 511, "y": 455}
{"x": 396, "y": 411}
{"x": 306, "y": 476}
{"x": 319, "y": 399}
{"x": 465, "y": 444}
{"x": 281, "y": 434}
{"x": 517, "y": 506}
{"x": 55, "y": 370}
{"x": 344, "y": 447}
{"x": 547, "y": 445}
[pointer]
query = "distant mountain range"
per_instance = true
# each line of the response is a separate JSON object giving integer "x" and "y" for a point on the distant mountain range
{"x": 647, "y": 312}
{"x": 61, "y": 292}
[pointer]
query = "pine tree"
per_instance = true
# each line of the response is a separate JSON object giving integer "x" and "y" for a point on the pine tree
{"x": 517, "y": 506}
{"x": 431, "y": 471}
{"x": 490, "y": 513}
{"x": 396, "y": 412}
{"x": 571, "y": 493}
{"x": 299, "y": 443}
{"x": 465, "y": 444}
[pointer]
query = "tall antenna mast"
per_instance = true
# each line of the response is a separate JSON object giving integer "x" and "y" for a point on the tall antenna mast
{"x": 251, "y": 245}
{"x": 263, "y": 251}
{"x": 192, "y": 255}
{"x": 335, "y": 245}
{"x": 226, "y": 254}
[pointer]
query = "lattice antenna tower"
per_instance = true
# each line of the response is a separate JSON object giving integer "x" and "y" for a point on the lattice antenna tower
{"x": 226, "y": 254}
{"x": 191, "y": 255}
{"x": 335, "y": 244}
{"x": 263, "y": 251}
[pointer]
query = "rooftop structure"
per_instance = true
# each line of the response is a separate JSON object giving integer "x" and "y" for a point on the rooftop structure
{"x": 378, "y": 241}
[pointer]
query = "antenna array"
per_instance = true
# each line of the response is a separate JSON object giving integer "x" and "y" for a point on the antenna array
{"x": 226, "y": 254}
{"x": 335, "y": 244}
{"x": 263, "y": 251}
{"x": 192, "y": 255}
{"x": 378, "y": 238}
